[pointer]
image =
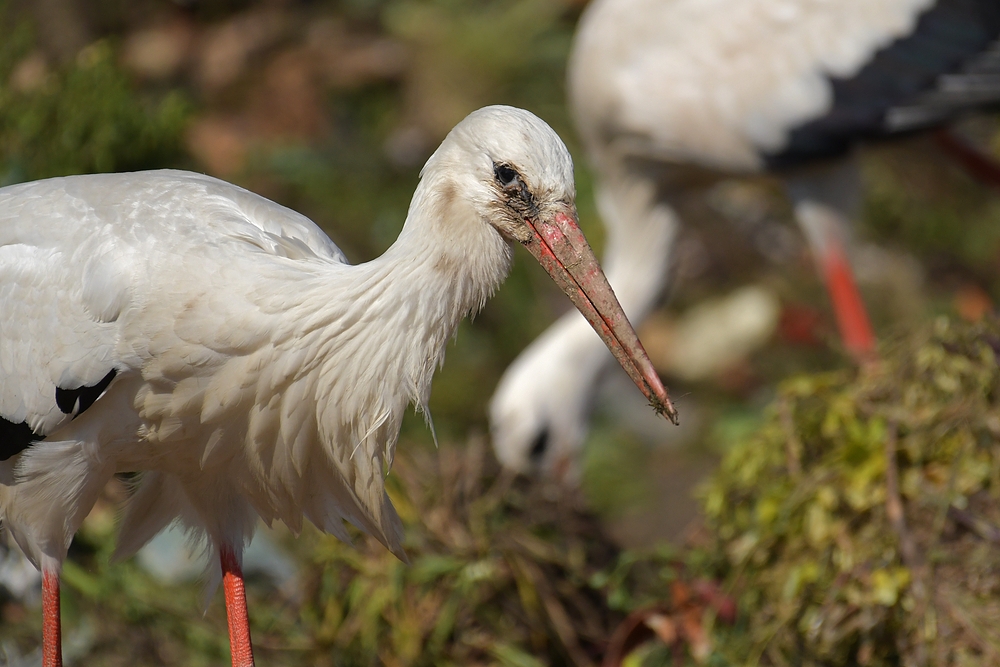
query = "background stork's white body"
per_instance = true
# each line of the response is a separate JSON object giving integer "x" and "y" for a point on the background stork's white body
{"x": 723, "y": 82}
{"x": 733, "y": 86}
{"x": 171, "y": 323}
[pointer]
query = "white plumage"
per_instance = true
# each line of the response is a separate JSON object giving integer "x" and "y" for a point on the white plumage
{"x": 672, "y": 95}
{"x": 230, "y": 351}
{"x": 718, "y": 82}
{"x": 220, "y": 313}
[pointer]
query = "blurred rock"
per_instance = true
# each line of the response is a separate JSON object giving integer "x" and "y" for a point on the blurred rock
{"x": 755, "y": 209}
{"x": 779, "y": 244}
{"x": 714, "y": 335}
{"x": 159, "y": 52}
{"x": 691, "y": 259}
{"x": 874, "y": 264}
{"x": 741, "y": 201}
{"x": 893, "y": 282}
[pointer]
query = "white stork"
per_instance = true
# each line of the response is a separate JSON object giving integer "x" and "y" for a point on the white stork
{"x": 666, "y": 93}
{"x": 174, "y": 324}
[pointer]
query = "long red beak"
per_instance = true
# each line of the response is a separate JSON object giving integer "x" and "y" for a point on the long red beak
{"x": 559, "y": 246}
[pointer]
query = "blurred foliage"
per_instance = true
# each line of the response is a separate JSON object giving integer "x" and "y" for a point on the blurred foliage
{"x": 476, "y": 53}
{"x": 934, "y": 209}
{"x": 803, "y": 511}
{"x": 82, "y": 119}
{"x": 608, "y": 471}
{"x": 501, "y": 572}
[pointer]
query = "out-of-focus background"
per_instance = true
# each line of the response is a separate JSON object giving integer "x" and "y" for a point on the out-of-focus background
{"x": 331, "y": 107}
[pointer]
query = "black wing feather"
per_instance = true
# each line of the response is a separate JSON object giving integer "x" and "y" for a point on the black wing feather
{"x": 81, "y": 398}
{"x": 14, "y": 438}
{"x": 949, "y": 64}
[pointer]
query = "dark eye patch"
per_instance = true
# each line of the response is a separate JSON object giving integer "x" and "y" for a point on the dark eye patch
{"x": 505, "y": 175}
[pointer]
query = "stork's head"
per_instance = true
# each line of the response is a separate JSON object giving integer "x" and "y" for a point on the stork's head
{"x": 516, "y": 175}
{"x": 541, "y": 408}
{"x": 510, "y": 166}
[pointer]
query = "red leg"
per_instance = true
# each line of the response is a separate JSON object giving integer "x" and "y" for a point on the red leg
{"x": 51, "y": 624}
{"x": 236, "y": 609}
{"x": 823, "y": 228}
{"x": 852, "y": 317}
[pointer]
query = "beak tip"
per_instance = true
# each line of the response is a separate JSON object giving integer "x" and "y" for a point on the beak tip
{"x": 667, "y": 409}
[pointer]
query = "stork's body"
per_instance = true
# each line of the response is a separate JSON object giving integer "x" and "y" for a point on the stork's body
{"x": 669, "y": 93}
{"x": 174, "y": 324}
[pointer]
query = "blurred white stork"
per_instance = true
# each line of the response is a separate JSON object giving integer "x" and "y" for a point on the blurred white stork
{"x": 666, "y": 93}
{"x": 171, "y": 323}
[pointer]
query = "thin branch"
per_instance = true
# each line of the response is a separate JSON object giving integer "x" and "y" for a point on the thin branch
{"x": 894, "y": 504}
{"x": 793, "y": 444}
{"x": 984, "y": 529}
{"x": 907, "y": 548}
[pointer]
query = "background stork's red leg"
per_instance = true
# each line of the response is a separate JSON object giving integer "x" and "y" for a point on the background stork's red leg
{"x": 236, "y": 609}
{"x": 852, "y": 317}
{"x": 51, "y": 624}
{"x": 824, "y": 229}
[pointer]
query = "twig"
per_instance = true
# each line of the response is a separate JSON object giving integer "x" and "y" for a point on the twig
{"x": 629, "y": 634}
{"x": 893, "y": 503}
{"x": 980, "y": 527}
{"x": 907, "y": 549}
{"x": 975, "y": 634}
{"x": 793, "y": 444}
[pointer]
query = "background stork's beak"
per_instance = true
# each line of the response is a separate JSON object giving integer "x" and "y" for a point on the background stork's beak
{"x": 560, "y": 247}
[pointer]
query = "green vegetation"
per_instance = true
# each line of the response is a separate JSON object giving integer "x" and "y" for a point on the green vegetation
{"x": 859, "y": 522}
{"x": 84, "y": 118}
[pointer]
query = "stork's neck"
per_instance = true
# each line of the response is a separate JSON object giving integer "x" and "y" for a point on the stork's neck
{"x": 389, "y": 320}
{"x": 447, "y": 261}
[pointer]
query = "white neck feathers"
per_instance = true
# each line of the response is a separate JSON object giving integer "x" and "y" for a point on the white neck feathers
{"x": 365, "y": 345}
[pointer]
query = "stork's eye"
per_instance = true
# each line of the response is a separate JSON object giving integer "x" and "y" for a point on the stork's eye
{"x": 506, "y": 176}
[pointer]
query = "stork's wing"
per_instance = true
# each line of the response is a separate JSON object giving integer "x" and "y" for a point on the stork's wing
{"x": 270, "y": 226}
{"x": 57, "y": 331}
{"x": 949, "y": 64}
{"x": 73, "y": 253}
